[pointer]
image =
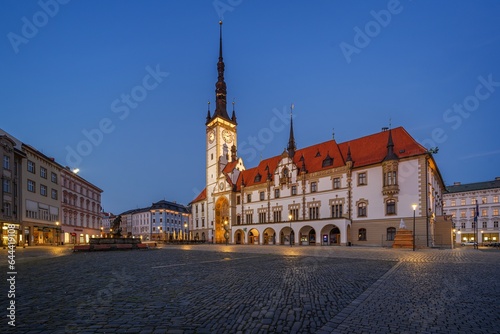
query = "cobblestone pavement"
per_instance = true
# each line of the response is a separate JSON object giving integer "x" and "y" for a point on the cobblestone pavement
{"x": 255, "y": 289}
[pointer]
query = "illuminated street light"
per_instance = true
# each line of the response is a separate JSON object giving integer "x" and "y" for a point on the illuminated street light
{"x": 290, "y": 219}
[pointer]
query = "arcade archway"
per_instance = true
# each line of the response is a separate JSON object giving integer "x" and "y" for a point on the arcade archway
{"x": 221, "y": 219}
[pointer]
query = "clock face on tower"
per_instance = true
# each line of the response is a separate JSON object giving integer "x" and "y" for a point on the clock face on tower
{"x": 211, "y": 136}
{"x": 227, "y": 136}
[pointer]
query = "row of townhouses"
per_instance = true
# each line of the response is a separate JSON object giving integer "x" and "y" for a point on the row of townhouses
{"x": 43, "y": 201}
{"x": 162, "y": 221}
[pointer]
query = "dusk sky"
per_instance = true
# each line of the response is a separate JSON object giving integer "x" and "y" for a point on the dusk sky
{"x": 67, "y": 67}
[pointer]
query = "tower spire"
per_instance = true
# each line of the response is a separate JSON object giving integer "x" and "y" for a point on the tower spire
{"x": 220, "y": 85}
{"x": 390, "y": 148}
{"x": 291, "y": 140}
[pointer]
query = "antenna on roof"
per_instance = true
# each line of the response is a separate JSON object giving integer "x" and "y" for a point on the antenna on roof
{"x": 390, "y": 123}
{"x": 333, "y": 133}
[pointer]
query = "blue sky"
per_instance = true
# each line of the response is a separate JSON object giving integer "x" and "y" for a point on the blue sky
{"x": 431, "y": 67}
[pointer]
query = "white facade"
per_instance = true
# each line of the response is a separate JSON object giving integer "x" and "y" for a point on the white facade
{"x": 461, "y": 201}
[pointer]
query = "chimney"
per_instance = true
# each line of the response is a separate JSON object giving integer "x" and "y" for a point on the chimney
{"x": 384, "y": 129}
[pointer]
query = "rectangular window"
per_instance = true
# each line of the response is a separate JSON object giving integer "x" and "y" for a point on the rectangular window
{"x": 462, "y": 201}
{"x": 314, "y": 212}
{"x": 238, "y": 220}
{"x": 453, "y": 214}
{"x": 337, "y": 211}
{"x": 463, "y": 225}
{"x": 294, "y": 190}
{"x": 43, "y": 190}
{"x": 31, "y": 166}
{"x": 495, "y": 212}
{"x": 462, "y": 214}
{"x": 484, "y": 212}
{"x": 485, "y": 225}
{"x": 495, "y": 224}
{"x": 495, "y": 199}
{"x": 6, "y": 186}
{"x": 391, "y": 207}
{"x": 362, "y": 234}
{"x": 453, "y": 202}
{"x": 262, "y": 195}
{"x": 484, "y": 200}
{"x": 6, "y": 162}
{"x": 43, "y": 172}
{"x": 390, "y": 178}
{"x": 362, "y": 179}
{"x": 238, "y": 199}
{"x": 473, "y": 201}
{"x": 473, "y": 224}
{"x": 202, "y": 222}
{"x": 362, "y": 210}
{"x": 276, "y": 193}
{"x": 336, "y": 183}
{"x": 249, "y": 198}
{"x": 53, "y": 177}
{"x": 31, "y": 186}
{"x": 7, "y": 209}
{"x": 294, "y": 213}
{"x": 249, "y": 218}
{"x": 314, "y": 187}
{"x": 277, "y": 216}
{"x": 262, "y": 217}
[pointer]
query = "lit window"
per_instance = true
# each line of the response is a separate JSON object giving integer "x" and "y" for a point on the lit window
{"x": 462, "y": 201}
{"x": 453, "y": 202}
{"x": 484, "y": 200}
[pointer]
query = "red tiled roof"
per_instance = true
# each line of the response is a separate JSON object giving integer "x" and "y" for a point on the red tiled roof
{"x": 368, "y": 150}
{"x": 201, "y": 196}
{"x": 372, "y": 149}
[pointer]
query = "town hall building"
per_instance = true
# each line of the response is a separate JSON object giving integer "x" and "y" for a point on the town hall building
{"x": 357, "y": 192}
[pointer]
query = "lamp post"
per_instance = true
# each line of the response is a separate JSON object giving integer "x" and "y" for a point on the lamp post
{"x": 226, "y": 231}
{"x": 414, "y": 206}
{"x": 185, "y": 230}
{"x": 290, "y": 219}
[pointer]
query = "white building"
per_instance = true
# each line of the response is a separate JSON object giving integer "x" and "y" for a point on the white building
{"x": 330, "y": 193}
{"x": 460, "y": 201}
{"x": 141, "y": 224}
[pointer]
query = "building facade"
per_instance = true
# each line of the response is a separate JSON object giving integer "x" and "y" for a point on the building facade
{"x": 471, "y": 204}
{"x": 81, "y": 208}
{"x": 41, "y": 191}
{"x": 10, "y": 217}
{"x": 355, "y": 192}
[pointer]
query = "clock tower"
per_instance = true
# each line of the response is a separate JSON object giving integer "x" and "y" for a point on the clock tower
{"x": 221, "y": 143}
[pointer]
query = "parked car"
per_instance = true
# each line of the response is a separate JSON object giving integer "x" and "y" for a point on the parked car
{"x": 469, "y": 243}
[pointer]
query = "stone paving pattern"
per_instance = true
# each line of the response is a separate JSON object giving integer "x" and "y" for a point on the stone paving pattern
{"x": 256, "y": 289}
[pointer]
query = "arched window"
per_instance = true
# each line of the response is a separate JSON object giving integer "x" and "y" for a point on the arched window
{"x": 362, "y": 234}
{"x": 391, "y": 233}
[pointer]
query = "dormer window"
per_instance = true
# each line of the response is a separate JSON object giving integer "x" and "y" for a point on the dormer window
{"x": 328, "y": 161}
{"x": 257, "y": 178}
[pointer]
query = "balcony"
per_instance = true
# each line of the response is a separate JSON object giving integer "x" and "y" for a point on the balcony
{"x": 390, "y": 190}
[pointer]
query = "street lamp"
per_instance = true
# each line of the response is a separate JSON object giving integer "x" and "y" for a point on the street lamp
{"x": 290, "y": 219}
{"x": 185, "y": 229}
{"x": 414, "y": 206}
{"x": 226, "y": 231}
